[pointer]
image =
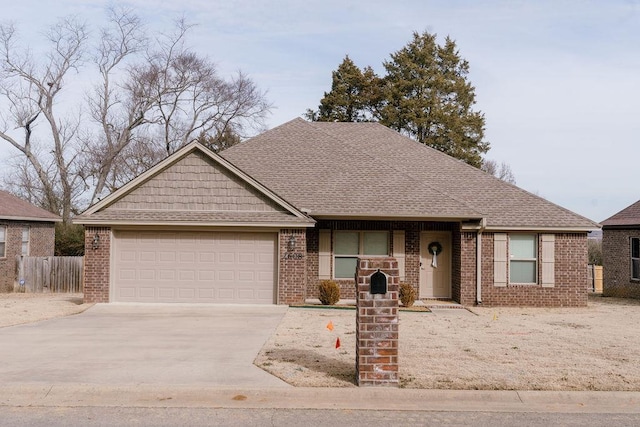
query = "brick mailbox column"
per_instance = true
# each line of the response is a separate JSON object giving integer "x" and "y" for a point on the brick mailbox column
{"x": 377, "y": 286}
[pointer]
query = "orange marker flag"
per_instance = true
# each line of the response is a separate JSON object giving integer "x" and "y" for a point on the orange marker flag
{"x": 337, "y": 342}
{"x": 330, "y": 325}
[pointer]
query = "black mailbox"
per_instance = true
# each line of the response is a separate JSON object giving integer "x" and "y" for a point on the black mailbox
{"x": 378, "y": 283}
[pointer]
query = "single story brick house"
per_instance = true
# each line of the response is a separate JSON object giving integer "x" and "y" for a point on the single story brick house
{"x": 621, "y": 253}
{"x": 266, "y": 220}
{"x": 25, "y": 229}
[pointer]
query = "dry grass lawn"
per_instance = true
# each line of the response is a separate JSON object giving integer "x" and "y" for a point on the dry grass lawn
{"x": 593, "y": 348}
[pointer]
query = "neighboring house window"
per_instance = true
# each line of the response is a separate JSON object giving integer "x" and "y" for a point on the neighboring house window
{"x": 3, "y": 241}
{"x": 635, "y": 258}
{"x": 523, "y": 259}
{"x": 25, "y": 241}
{"x": 348, "y": 245}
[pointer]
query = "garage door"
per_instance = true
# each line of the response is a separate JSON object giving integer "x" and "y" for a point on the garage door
{"x": 218, "y": 267}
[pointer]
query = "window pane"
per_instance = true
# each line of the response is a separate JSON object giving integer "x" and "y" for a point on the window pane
{"x": 2, "y": 235}
{"x": 376, "y": 243}
{"x": 2, "y": 254}
{"x": 635, "y": 268}
{"x": 635, "y": 247}
{"x": 522, "y": 246}
{"x": 25, "y": 234}
{"x": 346, "y": 243}
{"x": 522, "y": 272}
{"x": 25, "y": 248}
{"x": 346, "y": 267}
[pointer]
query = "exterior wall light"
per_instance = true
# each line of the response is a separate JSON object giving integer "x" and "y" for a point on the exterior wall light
{"x": 291, "y": 244}
{"x": 96, "y": 241}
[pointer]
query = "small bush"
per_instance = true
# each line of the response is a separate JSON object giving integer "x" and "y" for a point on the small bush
{"x": 329, "y": 292}
{"x": 407, "y": 294}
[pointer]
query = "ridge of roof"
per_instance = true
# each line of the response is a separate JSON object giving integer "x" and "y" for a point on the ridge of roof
{"x": 17, "y": 209}
{"x": 502, "y": 203}
{"x": 398, "y": 170}
{"x": 443, "y": 157}
{"x": 326, "y": 162}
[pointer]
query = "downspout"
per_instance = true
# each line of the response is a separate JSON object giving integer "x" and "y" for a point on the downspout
{"x": 483, "y": 224}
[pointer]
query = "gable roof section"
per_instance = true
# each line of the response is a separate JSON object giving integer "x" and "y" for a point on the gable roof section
{"x": 628, "y": 217}
{"x": 194, "y": 186}
{"x": 369, "y": 170}
{"x": 16, "y": 209}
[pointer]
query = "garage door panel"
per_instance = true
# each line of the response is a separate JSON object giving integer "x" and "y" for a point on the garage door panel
{"x": 147, "y": 292}
{"x": 194, "y": 267}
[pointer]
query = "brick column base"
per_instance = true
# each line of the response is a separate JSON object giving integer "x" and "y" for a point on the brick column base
{"x": 377, "y": 324}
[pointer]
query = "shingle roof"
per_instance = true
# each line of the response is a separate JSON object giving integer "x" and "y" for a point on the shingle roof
{"x": 14, "y": 208}
{"x": 369, "y": 170}
{"x": 628, "y": 216}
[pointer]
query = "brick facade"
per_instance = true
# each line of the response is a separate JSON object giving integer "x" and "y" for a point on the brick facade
{"x": 616, "y": 251}
{"x": 412, "y": 250}
{"x": 41, "y": 243}
{"x": 292, "y": 271}
{"x": 298, "y": 279}
{"x": 97, "y": 265}
{"x": 570, "y": 267}
{"x": 292, "y": 274}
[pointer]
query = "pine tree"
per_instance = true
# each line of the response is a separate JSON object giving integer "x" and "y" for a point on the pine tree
{"x": 425, "y": 95}
{"x": 350, "y": 96}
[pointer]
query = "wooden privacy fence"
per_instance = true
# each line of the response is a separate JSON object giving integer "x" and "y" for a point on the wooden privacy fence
{"x": 49, "y": 274}
{"x": 595, "y": 278}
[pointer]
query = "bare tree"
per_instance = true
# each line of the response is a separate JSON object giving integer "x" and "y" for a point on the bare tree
{"x": 31, "y": 90}
{"x": 152, "y": 97}
{"x": 192, "y": 101}
{"x": 502, "y": 171}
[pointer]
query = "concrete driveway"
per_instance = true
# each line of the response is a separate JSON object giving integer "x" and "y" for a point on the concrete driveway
{"x": 112, "y": 344}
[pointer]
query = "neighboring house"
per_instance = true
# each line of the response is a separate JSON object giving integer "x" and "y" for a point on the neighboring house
{"x": 269, "y": 218}
{"x": 621, "y": 253}
{"x": 25, "y": 229}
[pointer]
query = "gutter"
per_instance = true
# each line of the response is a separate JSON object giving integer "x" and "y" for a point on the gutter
{"x": 483, "y": 225}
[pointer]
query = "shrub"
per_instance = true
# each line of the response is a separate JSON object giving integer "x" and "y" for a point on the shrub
{"x": 329, "y": 292}
{"x": 69, "y": 240}
{"x": 407, "y": 294}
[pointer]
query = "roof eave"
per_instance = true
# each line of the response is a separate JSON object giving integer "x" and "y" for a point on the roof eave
{"x": 30, "y": 219}
{"x": 374, "y": 217}
{"x": 567, "y": 229}
{"x": 112, "y": 223}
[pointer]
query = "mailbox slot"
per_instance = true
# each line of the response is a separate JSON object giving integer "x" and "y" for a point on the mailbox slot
{"x": 378, "y": 283}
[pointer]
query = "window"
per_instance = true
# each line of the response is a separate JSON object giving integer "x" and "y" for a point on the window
{"x": 3, "y": 241}
{"x": 635, "y": 258}
{"x": 348, "y": 245}
{"x": 25, "y": 241}
{"x": 523, "y": 260}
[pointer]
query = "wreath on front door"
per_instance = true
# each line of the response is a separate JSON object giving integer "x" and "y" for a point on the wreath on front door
{"x": 435, "y": 248}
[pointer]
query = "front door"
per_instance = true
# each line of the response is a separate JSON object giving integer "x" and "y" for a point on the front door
{"x": 435, "y": 270}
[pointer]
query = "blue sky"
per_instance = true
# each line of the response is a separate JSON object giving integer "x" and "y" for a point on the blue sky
{"x": 558, "y": 81}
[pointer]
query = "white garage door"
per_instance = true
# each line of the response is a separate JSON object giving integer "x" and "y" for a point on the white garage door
{"x": 218, "y": 267}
